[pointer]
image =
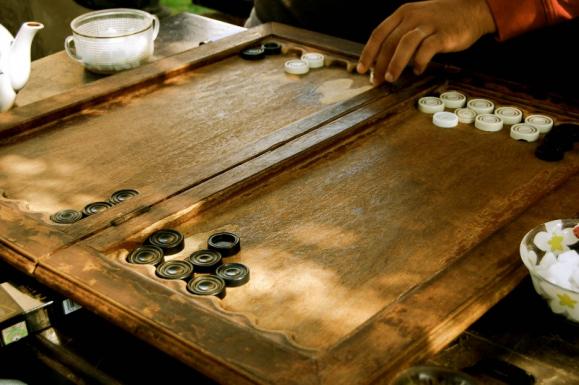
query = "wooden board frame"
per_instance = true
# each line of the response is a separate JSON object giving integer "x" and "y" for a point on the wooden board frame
{"x": 20, "y": 122}
{"x": 235, "y": 352}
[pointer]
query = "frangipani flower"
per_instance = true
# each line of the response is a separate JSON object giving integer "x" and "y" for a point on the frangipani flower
{"x": 556, "y": 239}
{"x": 564, "y": 302}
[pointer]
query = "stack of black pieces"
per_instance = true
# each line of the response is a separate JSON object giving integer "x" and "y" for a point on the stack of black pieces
{"x": 69, "y": 216}
{"x": 204, "y": 270}
{"x": 259, "y": 52}
{"x": 556, "y": 142}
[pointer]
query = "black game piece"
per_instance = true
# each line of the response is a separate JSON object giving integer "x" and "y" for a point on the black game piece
{"x": 66, "y": 217}
{"x": 171, "y": 241}
{"x": 175, "y": 270}
{"x": 549, "y": 153}
{"x": 568, "y": 130}
{"x": 146, "y": 255}
{"x": 234, "y": 274}
{"x": 226, "y": 243}
{"x": 96, "y": 207}
{"x": 122, "y": 195}
{"x": 272, "y": 48}
{"x": 559, "y": 141}
{"x": 253, "y": 53}
{"x": 207, "y": 285}
{"x": 205, "y": 261}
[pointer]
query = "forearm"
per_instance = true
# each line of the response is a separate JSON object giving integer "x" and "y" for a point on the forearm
{"x": 515, "y": 17}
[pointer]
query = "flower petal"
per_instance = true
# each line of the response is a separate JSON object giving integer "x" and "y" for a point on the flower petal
{"x": 541, "y": 239}
{"x": 569, "y": 237}
{"x": 554, "y": 226}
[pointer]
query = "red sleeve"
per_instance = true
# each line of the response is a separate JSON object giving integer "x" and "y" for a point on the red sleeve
{"x": 514, "y": 17}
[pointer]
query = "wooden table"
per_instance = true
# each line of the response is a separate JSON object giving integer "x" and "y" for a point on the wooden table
{"x": 57, "y": 73}
{"x": 373, "y": 238}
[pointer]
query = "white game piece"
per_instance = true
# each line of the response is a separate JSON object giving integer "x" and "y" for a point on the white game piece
{"x": 488, "y": 122}
{"x": 453, "y": 99}
{"x": 509, "y": 115}
{"x": 430, "y": 104}
{"x": 523, "y": 131}
{"x": 542, "y": 123}
{"x": 465, "y": 115}
{"x": 296, "y": 67}
{"x": 314, "y": 59}
{"x": 445, "y": 119}
{"x": 481, "y": 106}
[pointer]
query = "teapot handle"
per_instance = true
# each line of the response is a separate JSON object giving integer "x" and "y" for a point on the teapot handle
{"x": 70, "y": 48}
{"x": 156, "y": 25}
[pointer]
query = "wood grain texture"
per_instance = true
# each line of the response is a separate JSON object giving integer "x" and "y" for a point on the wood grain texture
{"x": 358, "y": 276}
{"x": 373, "y": 237}
{"x": 418, "y": 323}
{"x": 68, "y": 168}
{"x": 31, "y": 116}
{"x": 55, "y": 167}
{"x": 57, "y": 74}
{"x": 189, "y": 336}
{"x": 25, "y": 238}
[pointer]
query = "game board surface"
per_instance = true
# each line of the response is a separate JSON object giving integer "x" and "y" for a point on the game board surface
{"x": 373, "y": 237}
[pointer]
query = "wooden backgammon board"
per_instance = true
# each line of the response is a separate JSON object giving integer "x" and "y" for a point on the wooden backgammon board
{"x": 373, "y": 238}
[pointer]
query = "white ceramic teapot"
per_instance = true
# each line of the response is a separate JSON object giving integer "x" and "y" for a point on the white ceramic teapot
{"x": 15, "y": 61}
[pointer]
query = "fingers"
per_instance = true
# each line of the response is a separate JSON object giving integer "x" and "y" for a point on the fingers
{"x": 419, "y": 30}
{"x": 396, "y": 52}
{"x": 429, "y": 47}
{"x": 384, "y": 56}
{"x": 404, "y": 51}
{"x": 374, "y": 44}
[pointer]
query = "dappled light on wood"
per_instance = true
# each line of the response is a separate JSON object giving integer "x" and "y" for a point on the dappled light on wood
{"x": 172, "y": 130}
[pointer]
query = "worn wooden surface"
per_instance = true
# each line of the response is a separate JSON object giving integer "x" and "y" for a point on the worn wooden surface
{"x": 48, "y": 166}
{"x": 56, "y": 74}
{"x": 373, "y": 237}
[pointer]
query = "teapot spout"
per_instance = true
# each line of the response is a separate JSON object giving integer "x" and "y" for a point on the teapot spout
{"x": 18, "y": 60}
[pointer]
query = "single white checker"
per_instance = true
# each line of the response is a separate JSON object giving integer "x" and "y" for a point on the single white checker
{"x": 453, "y": 99}
{"x": 430, "y": 104}
{"x": 445, "y": 119}
{"x": 296, "y": 67}
{"x": 542, "y": 123}
{"x": 488, "y": 122}
{"x": 314, "y": 59}
{"x": 481, "y": 106}
{"x": 523, "y": 131}
{"x": 465, "y": 115}
{"x": 509, "y": 115}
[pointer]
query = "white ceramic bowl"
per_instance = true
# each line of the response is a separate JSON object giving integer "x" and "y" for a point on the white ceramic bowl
{"x": 112, "y": 40}
{"x": 540, "y": 249}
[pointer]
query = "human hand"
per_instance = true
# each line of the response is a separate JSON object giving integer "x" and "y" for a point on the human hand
{"x": 417, "y": 31}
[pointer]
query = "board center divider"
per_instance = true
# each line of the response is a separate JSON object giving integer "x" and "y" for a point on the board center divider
{"x": 282, "y": 154}
{"x": 22, "y": 123}
{"x": 206, "y": 171}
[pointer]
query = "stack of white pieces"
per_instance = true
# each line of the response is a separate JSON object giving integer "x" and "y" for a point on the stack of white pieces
{"x": 309, "y": 60}
{"x": 483, "y": 114}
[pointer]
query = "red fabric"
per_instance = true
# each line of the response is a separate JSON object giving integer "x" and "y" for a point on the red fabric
{"x": 514, "y": 17}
